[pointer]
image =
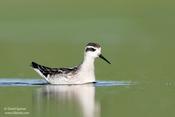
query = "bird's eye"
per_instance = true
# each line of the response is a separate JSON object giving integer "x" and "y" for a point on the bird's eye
{"x": 90, "y": 49}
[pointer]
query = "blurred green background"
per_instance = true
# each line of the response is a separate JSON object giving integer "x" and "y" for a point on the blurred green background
{"x": 136, "y": 36}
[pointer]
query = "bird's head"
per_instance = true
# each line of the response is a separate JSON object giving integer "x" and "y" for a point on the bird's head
{"x": 93, "y": 50}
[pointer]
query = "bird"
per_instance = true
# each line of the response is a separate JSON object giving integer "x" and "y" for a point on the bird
{"x": 81, "y": 74}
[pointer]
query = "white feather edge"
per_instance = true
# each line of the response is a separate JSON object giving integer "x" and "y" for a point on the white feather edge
{"x": 41, "y": 74}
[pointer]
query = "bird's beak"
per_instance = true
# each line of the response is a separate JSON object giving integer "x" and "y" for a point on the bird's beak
{"x": 102, "y": 57}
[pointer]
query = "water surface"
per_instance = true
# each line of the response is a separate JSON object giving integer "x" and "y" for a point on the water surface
{"x": 49, "y": 99}
{"x": 105, "y": 98}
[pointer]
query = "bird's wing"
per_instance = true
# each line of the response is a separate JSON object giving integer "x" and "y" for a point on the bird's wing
{"x": 53, "y": 71}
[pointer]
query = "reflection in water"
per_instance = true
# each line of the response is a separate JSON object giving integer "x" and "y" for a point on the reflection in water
{"x": 83, "y": 95}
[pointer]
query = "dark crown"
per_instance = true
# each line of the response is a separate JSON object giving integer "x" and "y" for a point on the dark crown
{"x": 93, "y": 44}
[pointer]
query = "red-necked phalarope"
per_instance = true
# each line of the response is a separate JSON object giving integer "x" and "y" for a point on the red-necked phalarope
{"x": 84, "y": 73}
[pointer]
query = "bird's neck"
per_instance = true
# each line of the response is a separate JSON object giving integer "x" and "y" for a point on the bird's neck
{"x": 87, "y": 71}
{"x": 88, "y": 64}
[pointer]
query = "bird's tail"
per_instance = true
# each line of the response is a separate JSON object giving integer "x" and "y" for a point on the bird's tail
{"x": 35, "y": 65}
{"x": 41, "y": 70}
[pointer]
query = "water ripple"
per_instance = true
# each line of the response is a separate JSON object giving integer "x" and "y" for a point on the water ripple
{"x": 36, "y": 82}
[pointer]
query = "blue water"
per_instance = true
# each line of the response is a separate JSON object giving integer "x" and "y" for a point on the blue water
{"x": 35, "y": 82}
